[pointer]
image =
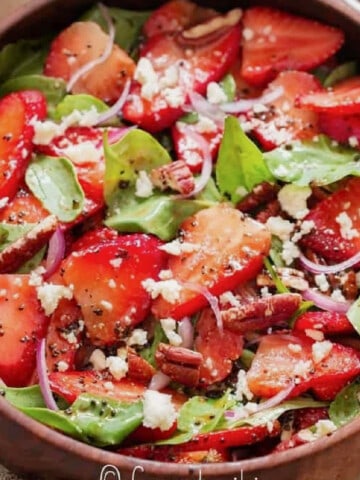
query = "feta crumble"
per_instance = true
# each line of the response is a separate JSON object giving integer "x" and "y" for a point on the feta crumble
{"x": 159, "y": 411}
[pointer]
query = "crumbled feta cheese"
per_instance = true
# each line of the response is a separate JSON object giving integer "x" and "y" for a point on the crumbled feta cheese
{"x": 241, "y": 191}
{"x": 144, "y": 186}
{"x": 116, "y": 262}
{"x": 4, "y": 202}
{"x": 305, "y": 228}
{"x": 85, "y": 152}
{"x": 50, "y": 296}
{"x": 346, "y": 226}
{"x": 316, "y": 335}
{"x": 215, "y": 94}
{"x": 112, "y": 283}
{"x": 205, "y": 125}
{"x": 337, "y": 295}
{"x": 169, "y": 327}
{"x": 229, "y": 298}
{"x": 320, "y": 429}
{"x": 260, "y": 108}
{"x": 280, "y": 227}
{"x": 109, "y": 386}
{"x": 242, "y": 388}
{"x": 168, "y": 289}
{"x": 98, "y": 360}
{"x": 322, "y": 282}
{"x": 302, "y": 368}
{"x": 295, "y": 347}
{"x": 320, "y": 350}
{"x": 174, "y": 96}
{"x": 165, "y": 274}
{"x": 248, "y": 34}
{"x": 62, "y": 366}
{"x": 264, "y": 292}
{"x": 176, "y": 247}
{"x": 290, "y": 252}
{"x": 138, "y": 337}
{"x": 353, "y": 141}
{"x": 159, "y": 411}
{"x": 170, "y": 78}
{"x": 118, "y": 366}
{"x": 147, "y": 77}
{"x": 293, "y": 199}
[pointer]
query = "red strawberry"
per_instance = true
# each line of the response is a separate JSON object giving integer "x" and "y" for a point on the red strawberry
{"x": 16, "y": 134}
{"x": 335, "y": 235}
{"x": 197, "y": 67}
{"x": 81, "y": 43}
{"x": 342, "y": 128}
{"x": 23, "y": 208}
{"x": 22, "y": 324}
{"x": 174, "y": 16}
{"x": 107, "y": 279}
{"x": 330, "y": 323}
{"x": 275, "y": 41}
{"x": 281, "y": 121}
{"x": 342, "y": 99}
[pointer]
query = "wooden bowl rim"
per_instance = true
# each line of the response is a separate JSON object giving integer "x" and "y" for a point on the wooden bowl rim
{"x": 67, "y": 444}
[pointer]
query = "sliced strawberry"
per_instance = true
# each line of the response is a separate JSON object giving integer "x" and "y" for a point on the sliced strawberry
{"x": 63, "y": 336}
{"x": 228, "y": 250}
{"x": 282, "y": 360}
{"x": 175, "y": 16}
{"x": 328, "y": 238}
{"x": 199, "y": 65}
{"x": 107, "y": 280}
{"x": 186, "y": 148}
{"x": 150, "y": 435}
{"x": 23, "y": 208}
{"x": 281, "y": 121}
{"x": 22, "y": 324}
{"x": 83, "y": 42}
{"x": 306, "y": 417}
{"x": 330, "y": 323}
{"x": 275, "y": 41}
{"x": 218, "y": 349}
{"x": 342, "y": 99}
{"x": 16, "y": 134}
{"x": 342, "y": 128}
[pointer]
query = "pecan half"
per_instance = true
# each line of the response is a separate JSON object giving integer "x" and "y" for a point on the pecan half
{"x": 181, "y": 364}
{"x": 176, "y": 175}
{"x": 260, "y": 196}
{"x": 16, "y": 254}
{"x": 290, "y": 277}
{"x": 139, "y": 368}
{"x": 262, "y": 313}
{"x": 272, "y": 209}
{"x": 209, "y": 30}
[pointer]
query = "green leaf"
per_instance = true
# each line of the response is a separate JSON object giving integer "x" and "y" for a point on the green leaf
{"x": 341, "y": 72}
{"x": 25, "y": 57}
{"x": 190, "y": 118}
{"x": 240, "y": 164}
{"x": 276, "y": 251}
{"x": 54, "y": 182}
{"x": 346, "y": 405}
{"x": 160, "y": 215}
{"x": 228, "y": 84}
{"x": 54, "y": 89}
{"x": 200, "y": 415}
{"x": 313, "y": 162}
{"x": 128, "y": 24}
{"x": 353, "y": 314}
{"x": 23, "y": 397}
{"x": 81, "y": 102}
{"x": 148, "y": 353}
{"x": 247, "y": 358}
{"x": 280, "y": 287}
{"x": 136, "y": 151}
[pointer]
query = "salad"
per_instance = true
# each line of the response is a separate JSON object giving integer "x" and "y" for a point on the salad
{"x": 180, "y": 231}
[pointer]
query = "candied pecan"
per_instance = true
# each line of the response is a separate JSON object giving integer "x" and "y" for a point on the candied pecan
{"x": 290, "y": 277}
{"x": 181, "y": 364}
{"x": 16, "y": 254}
{"x": 262, "y": 194}
{"x": 349, "y": 287}
{"x": 272, "y": 209}
{"x": 139, "y": 368}
{"x": 176, "y": 175}
{"x": 262, "y": 313}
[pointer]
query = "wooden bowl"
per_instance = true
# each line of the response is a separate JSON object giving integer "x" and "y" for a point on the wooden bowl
{"x": 34, "y": 450}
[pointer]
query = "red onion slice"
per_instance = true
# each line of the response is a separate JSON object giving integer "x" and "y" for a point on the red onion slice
{"x": 212, "y": 300}
{"x": 102, "y": 58}
{"x": 159, "y": 381}
{"x": 56, "y": 252}
{"x": 324, "y": 302}
{"x": 245, "y": 104}
{"x": 276, "y": 399}
{"x": 117, "y": 107}
{"x": 207, "y": 109}
{"x": 206, "y": 169}
{"x": 43, "y": 376}
{"x": 326, "y": 269}
{"x": 186, "y": 332}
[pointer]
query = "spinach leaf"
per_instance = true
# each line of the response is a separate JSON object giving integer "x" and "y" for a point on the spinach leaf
{"x": 128, "y": 24}
{"x": 54, "y": 182}
{"x": 353, "y": 314}
{"x": 81, "y": 102}
{"x": 228, "y": 84}
{"x": 240, "y": 164}
{"x": 313, "y": 162}
{"x": 160, "y": 215}
{"x": 341, "y": 72}
{"x": 247, "y": 358}
{"x": 24, "y": 57}
{"x": 148, "y": 353}
{"x": 54, "y": 89}
{"x": 346, "y": 405}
